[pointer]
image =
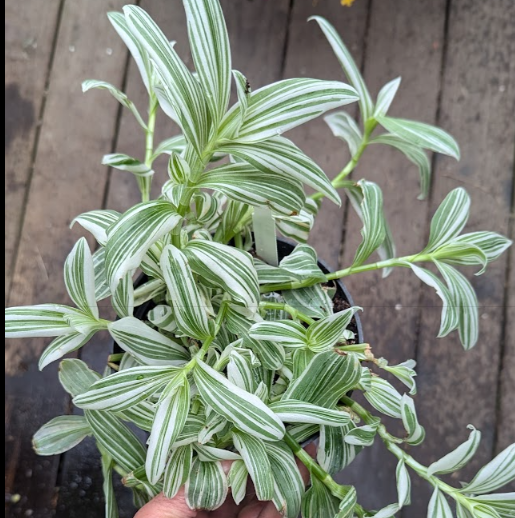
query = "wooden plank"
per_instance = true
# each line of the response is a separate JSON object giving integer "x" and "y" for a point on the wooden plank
{"x": 29, "y": 38}
{"x": 477, "y": 107}
{"x": 405, "y": 39}
{"x": 67, "y": 180}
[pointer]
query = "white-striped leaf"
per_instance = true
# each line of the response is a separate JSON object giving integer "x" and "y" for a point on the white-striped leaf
{"x": 421, "y": 135}
{"x": 268, "y": 274}
{"x": 254, "y": 454}
{"x": 294, "y": 411}
{"x": 326, "y": 379}
{"x": 388, "y": 511}
{"x": 84, "y": 323}
{"x": 179, "y": 170}
{"x": 385, "y": 97}
{"x": 189, "y": 308}
{"x": 240, "y": 373}
{"x": 211, "y": 53}
{"x": 177, "y": 470}
{"x": 169, "y": 420}
{"x": 280, "y": 155}
{"x": 171, "y": 145}
{"x": 215, "y": 423}
{"x": 496, "y": 474}
{"x": 211, "y": 454}
{"x": 326, "y": 333}
{"x": 162, "y": 317}
{"x": 333, "y": 453}
{"x": 416, "y": 432}
{"x": 183, "y": 91}
{"x": 404, "y": 372}
{"x": 42, "y": 320}
{"x": 60, "y": 434}
{"x": 458, "y": 458}
{"x": 76, "y": 377}
{"x": 345, "y": 127}
{"x": 63, "y": 345}
{"x": 503, "y": 503}
{"x": 102, "y": 290}
{"x": 141, "y": 414}
{"x": 134, "y": 233}
{"x": 225, "y": 267}
{"x": 190, "y": 431}
{"x": 287, "y": 332}
{"x": 123, "y": 297}
{"x": 318, "y": 501}
{"x": 150, "y": 263}
{"x": 111, "y": 507}
{"x": 243, "y": 90}
{"x": 245, "y": 410}
{"x": 462, "y": 253}
{"x": 485, "y": 511}
{"x": 312, "y": 301}
{"x": 237, "y": 480}
{"x": 296, "y": 227}
{"x": 146, "y": 344}
{"x": 126, "y": 163}
{"x": 245, "y": 183}
{"x": 347, "y": 504}
{"x": 288, "y": 486}
{"x": 207, "y": 486}
{"x": 119, "y": 441}
{"x": 117, "y": 94}
{"x": 413, "y": 153}
{"x": 303, "y": 261}
{"x": 403, "y": 484}
{"x": 438, "y": 506}
{"x": 384, "y": 398}
{"x": 124, "y": 389}
{"x": 449, "y": 219}
{"x": 279, "y": 107}
{"x": 97, "y": 222}
{"x": 362, "y": 435}
{"x": 465, "y": 304}
{"x": 491, "y": 243}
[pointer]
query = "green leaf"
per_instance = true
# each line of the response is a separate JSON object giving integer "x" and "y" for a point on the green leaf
{"x": 458, "y": 458}
{"x": 189, "y": 309}
{"x": 246, "y": 184}
{"x": 237, "y": 480}
{"x": 438, "y": 506}
{"x": 97, "y": 222}
{"x": 42, "y": 320}
{"x": 333, "y": 453}
{"x": 183, "y": 91}
{"x": 349, "y": 66}
{"x": 146, "y": 344}
{"x": 102, "y": 290}
{"x": 422, "y": 135}
{"x": 384, "y": 398}
{"x": 63, "y": 345}
{"x": 225, "y": 267}
{"x": 449, "y": 219}
{"x": 239, "y": 372}
{"x": 318, "y": 502}
{"x": 76, "y": 377}
{"x": 345, "y": 127}
{"x": 134, "y": 233}
{"x": 296, "y": 227}
{"x": 294, "y": 411}
{"x": 191, "y": 431}
{"x": 280, "y": 155}
{"x": 123, "y": 298}
{"x": 254, "y": 454}
{"x": 211, "y": 53}
{"x": 290, "y": 334}
{"x": 111, "y": 507}
{"x": 245, "y": 410}
{"x": 485, "y": 511}
{"x": 126, "y": 163}
{"x": 207, "y": 486}
{"x": 312, "y": 301}
{"x": 416, "y": 432}
{"x": 403, "y": 484}
{"x": 60, "y": 434}
{"x": 303, "y": 261}
{"x": 170, "y": 418}
{"x": 385, "y": 97}
{"x": 177, "y": 470}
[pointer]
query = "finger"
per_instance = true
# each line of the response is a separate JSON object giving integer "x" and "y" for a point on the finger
{"x": 162, "y": 507}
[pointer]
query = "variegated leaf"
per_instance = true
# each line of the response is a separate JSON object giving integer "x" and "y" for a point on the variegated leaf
{"x": 123, "y": 297}
{"x": 237, "y": 480}
{"x": 384, "y": 398}
{"x": 177, "y": 470}
{"x": 42, "y": 320}
{"x": 289, "y": 333}
{"x": 345, "y": 127}
{"x": 207, "y": 486}
{"x": 385, "y": 97}
{"x": 60, "y": 434}
{"x": 294, "y": 411}
{"x": 111, "y": 506}
{"x": 63, "y": 345}
{"x": 76, "y": 377}
{"x": 416, "y": 432}
{"x": 438, "y": 506}
{"x": 97, "y": 222}
{"x": 318, "y": 502}
{"x": 333, "y": 453}
{"x": 403, "y": 484}
{"x": 126, "y": 163}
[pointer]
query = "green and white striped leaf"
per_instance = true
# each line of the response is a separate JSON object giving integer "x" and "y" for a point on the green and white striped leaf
{"x": 76, "y": 377}
{"x": 421, "y": 135}
{"x": 119, "y": 441}
{"x": 243, "y": 90}
{"x": 190, "y": 310}
{"x": 183, "y": 91}
{"x": 416, "y": 432}
{"x": 211, "y": 454}
{"x": 123, "y": 298}
{"x": 458, "y": 458}
{"x": 254, "y": 454}
{"x": 303, "y": 261}
{"x": 171, "y": 145}
{"x": 63, "y": 345}
{"x": 102, "y": 290}
{"x": 225, "y": 267}
{"x": 146, "y": 344}
{"x": 179, "y": 170}
{"x": 438, "y": 506}
{"x": 246, "y": 184}
{"x": 326, "y": 333}
{"x": 403, "y": 484}
{"x": 388, "y": 511}
{"x": 296, "y": 227}
{"x": 142, "y": 415}
{"x": 385, "y": 97}
{"x": 288, "y": 486}
{"x": 239, "y": 372}
{"x": 404, "y": 372}
{"x": 347, "y": 504}
{"x": 268, "y": 274}
{"x": 312, "y": 301}
{"x": 215, "y": 424}
{"x": 362, "y": 435}
{"x": 384, "y": 398}
{"x": 42, "y": 320}
{"x": 245, "y": 410}
{"x": 97, "y": 222}
{"x": 111, "y": 507}
{"x": 413, "y": 153}
{"x": 334, "y": 454}
{"x": 449, "y": 219}
{"x": 496, "y": 474}
{"x": 134, "y": 233}
{"x": 237, "y": 480}
{"x": 207, "y": 486}
{"x": 345, "y": 127}
{"x": 462, "y": 253}
{"x": 485, "y": 511}
{"x": 349, "y": 66}
{"x": 318, "y": 501}
{"x": 465, "y": 304}
{"x": 60, "y": 434}
{"x": 211, "y": 53}
{"x": 294, "y": 411}
{"x": 170, "y": 418}
{"x": 502, "y": 503}
{"x": 117, "y": 94}
{"x": 125, "y": 389}
{"x": 126, "y": 163}
{"x": 326, "y": 379}
{"x": 280, "y": 155}
{"x": 177, "y": 470}
{"x": 162, "y": 317}
{"x": 491, "y": 243}
{"x": 290, "y": 334}
{"x": 190, "y": 431}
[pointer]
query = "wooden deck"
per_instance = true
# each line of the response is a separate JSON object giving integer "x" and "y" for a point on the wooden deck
{"x": 457, "y": 61}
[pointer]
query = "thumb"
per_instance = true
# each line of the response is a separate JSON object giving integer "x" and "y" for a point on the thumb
{"x": 162, "y": 507}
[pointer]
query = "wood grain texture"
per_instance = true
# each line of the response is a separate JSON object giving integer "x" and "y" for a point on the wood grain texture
{"x": 477, "y": 108}
{"x": 29, "y": 38}
{"x": 67, "y": 180}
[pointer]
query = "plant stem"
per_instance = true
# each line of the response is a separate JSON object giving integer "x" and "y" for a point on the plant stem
{"x": 295, "y": 313}
{"x": 146, "y": 182}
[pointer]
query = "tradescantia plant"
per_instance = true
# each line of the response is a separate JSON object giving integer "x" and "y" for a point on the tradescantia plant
{"x": 237, "y": 358}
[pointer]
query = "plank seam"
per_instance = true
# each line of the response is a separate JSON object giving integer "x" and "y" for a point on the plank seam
{"x": 286, "y": 45}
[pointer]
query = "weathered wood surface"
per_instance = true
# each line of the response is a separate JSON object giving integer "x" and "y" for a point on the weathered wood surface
{"x": 456, "y": 59}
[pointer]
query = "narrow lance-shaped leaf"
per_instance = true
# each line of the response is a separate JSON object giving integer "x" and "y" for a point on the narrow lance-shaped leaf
{"x": 345, "y": 127}
{"x": 384, "y": 398}
{"x": 98, "y": 223}
{"x": 294, "y": 411}
{"x": 111, "y": 507}
{"x": 60, "y": 434}
{"x": 76, "y": 377}
{"x": 123, "y": 297}
{"x": 318, "y": 501}
{"x": 237, "y": 480}
{"x": 438, "y": 506}
{"x": 303, "y": 262}
{"x": 491, "y": 243}
{"x": 240, "y": 373}
{"x": 207, "y": 486}
{"x": 177, "y": 470}
{"x": 287, "y": 332}
{"x": 334, "y": 454}
{"x": 362, "y": 435}
{"x": 386, "y": 96}
{"x": 102, "y": 290}
{"x": 63, "y": 345}
{"x": 243, "y": 91}
{"x": 126, "y": 163}
{"x": 416, "y": 432}
{"x": 347, "y": 504}
{"x": 403, "y": 484}
{"x": 42, "y": 320}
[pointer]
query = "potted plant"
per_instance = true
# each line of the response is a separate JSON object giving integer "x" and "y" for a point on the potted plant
{"x": 227, "y": 351}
